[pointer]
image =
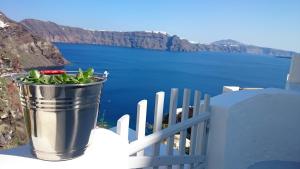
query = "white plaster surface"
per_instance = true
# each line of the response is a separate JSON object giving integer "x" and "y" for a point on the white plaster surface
{"x": 230, "y": 88}
{"x": 148, "y": 151}
{"x": 293, "y": 79}
{"x": 294, "y": 74}
{"x": 107, "y": 150}
{"x": 248, "y": 127}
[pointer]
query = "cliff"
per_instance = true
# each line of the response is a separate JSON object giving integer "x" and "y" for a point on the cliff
{"x": 238, "y": 47}
{"x": 141, "y": 39}
{"x": 25, "y": 49}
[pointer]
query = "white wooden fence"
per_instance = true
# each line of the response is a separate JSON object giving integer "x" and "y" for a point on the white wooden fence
{"x": 198, "y": 123}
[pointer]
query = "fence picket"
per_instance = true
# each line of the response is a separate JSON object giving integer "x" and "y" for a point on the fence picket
{"x": 158, "y": 116}
{"x": 123, "y": 126}
{"x": 203, "y": 129}
{"x": 184, "y": 116}
{"x": 172, "y": 120}
{"x": 206, "y": 108}
{"x": 196, "y": 110}
{"x": 141, "y": 122}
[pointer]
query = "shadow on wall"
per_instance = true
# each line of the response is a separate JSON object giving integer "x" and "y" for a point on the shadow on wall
{"x": 275, "y": 165}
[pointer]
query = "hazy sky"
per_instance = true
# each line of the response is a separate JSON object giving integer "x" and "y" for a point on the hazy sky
{"x": 270, "y": 23}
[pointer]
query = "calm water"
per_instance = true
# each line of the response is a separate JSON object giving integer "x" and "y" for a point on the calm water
{"x": 136, "y": 74}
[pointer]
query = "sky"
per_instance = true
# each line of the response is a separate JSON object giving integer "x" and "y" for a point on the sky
{"x": 268, "y": 23}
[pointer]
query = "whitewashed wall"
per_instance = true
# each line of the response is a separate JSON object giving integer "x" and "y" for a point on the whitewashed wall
{"x": 293, "y": 79}
{"x": 249, "y": 127}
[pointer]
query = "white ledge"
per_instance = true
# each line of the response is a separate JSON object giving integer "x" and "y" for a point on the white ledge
{"x": 106, "y": 150}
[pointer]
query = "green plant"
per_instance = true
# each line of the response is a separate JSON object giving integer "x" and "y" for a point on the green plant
{"x": 45, "y": 77}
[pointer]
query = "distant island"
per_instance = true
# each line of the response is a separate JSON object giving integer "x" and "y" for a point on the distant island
{"x": 141, "y": 39}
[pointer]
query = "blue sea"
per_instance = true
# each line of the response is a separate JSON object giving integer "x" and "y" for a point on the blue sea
{"x": 137, "y": 74}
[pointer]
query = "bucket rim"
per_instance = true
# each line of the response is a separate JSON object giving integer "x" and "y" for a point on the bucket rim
{"x": 100, "y": 79}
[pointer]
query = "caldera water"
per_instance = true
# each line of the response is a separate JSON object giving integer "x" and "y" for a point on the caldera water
{"x": 136, "y": 74}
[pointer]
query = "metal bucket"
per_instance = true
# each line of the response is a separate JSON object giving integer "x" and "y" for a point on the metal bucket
{"x": 59, "y": 118}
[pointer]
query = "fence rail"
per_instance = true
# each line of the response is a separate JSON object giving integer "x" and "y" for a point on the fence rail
{"x": 159, "y": 136}
{"x": 146, "y": 161}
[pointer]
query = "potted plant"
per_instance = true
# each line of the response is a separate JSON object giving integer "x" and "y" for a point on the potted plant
{"x": 60, "y": 110}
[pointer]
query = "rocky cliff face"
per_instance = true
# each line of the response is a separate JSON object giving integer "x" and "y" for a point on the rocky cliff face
{"x": 147, "y": 40}
{"x": 17, "y": 43}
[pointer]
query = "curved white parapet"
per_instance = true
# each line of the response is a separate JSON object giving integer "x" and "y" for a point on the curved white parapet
{"x": 293, "y": 79}
{"x": 230, "y": 89}
{"x": 254, "y": 127}
{"x": 237, "y": 88}
{"x": 293, "y": 86}
{"x": 107, "y": 150}
{"x": 294, "y": 75}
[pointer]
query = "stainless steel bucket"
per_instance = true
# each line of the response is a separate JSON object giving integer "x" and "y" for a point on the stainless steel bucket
{"x": 59, "y": 118}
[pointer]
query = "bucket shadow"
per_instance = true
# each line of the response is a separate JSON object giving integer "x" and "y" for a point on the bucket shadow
{"x": 21, "y": 151}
